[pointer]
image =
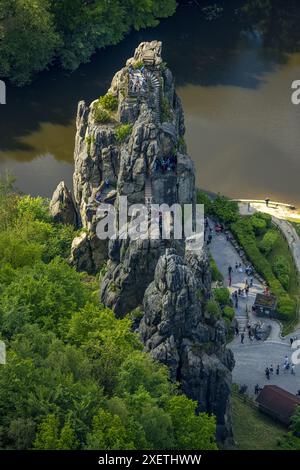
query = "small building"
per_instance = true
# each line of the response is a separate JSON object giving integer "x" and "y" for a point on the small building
{"x": 277, "y": 403}
{"x": 265, "y": 305}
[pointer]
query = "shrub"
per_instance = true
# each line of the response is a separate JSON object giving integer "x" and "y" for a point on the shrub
{"x": 18, "y": 252}
{"x": 222, "y": 295}
{"x": 138, "y": 64}
{"x": 213, "y": 308}
{"x": 225, "y": 210}
{"x": 166, "y": 114}
{"x": 243, "y": 230}
{"x": 123, "y": 131}
{"x": 109, "y": 102}
{"x": 286, "y": 308}
{"x": 295, "y": 422}
{"x": 269, "y": 240}
{"x": 35, "y": 207}
{"x": 258, "y": 223}
{"x": 281, "y": 269}
{"x": 100, "y": 115}
{"x": 215, "y": 273}
{"x": 289, "y": 442}
{"x": 228, "y": 313}
{"x": 90, "y": 139}
{"x": 204, "y": 199}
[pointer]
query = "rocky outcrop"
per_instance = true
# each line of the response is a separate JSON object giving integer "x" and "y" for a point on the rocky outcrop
{"x": 177, "y": 331}
{"x": 156, "y": 128}
{"x": 139, "y": 152}
{"x": 130, "y": 270}
{"x": 62, "y": 207}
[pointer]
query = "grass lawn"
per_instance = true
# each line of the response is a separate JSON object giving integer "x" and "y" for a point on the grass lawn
{"x": 252, "y": 429}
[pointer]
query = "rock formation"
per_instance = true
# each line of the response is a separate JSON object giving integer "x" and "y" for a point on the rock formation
{"x": 132, "y": 144}
{"x": 177, "y": 331}
{"x": 62, "y": 206}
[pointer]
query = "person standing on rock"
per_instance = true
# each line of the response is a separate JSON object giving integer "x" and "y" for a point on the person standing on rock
{"x": 229, "y": 270}
{"x": 242, "y": 338}
{"x": 291, "y": 342}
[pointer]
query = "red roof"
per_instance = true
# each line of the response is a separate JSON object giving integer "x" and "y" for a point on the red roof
{"x": 278, "y": 402}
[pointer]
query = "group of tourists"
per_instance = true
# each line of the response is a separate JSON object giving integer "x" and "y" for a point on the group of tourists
{"x": 242, "y": 292}
{"x": 248, "y": 283}
{"x": 165, "y": 164}
{"x": 248, "y": 268}
{"x": 250, "y": 330}
{"x": 286, "y": 367}
{"x": 137, "y": 80}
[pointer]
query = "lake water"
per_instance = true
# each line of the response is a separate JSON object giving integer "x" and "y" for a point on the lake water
{"x": 242, "y": 129}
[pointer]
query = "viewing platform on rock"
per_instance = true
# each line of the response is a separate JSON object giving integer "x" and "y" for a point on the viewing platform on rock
{"x": 288, "y": 209}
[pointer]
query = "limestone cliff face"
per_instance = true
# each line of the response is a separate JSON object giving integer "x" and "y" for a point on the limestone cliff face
{"x": 171, "y": 283}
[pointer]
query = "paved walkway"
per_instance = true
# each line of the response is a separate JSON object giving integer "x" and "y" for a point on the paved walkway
{"x": 252, "y": 360}
{"x": 253, "y": 357}
{"x": 225, "y": 255}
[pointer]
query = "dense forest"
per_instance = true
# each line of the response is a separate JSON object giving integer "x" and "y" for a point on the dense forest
{"x": 35, "y": 34}
{"x": 75, "y": 377}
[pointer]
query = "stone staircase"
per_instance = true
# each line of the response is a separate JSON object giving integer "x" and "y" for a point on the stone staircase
{"x": 148, "y": 192}
{"x": 242, "y": 319}
{"x": 155, "y": 84}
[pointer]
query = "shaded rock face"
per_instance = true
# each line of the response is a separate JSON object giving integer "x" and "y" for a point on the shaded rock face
{"x": 170, "y": 282}
{"x": 131, "y": 269}
{"x": 177, "y": 332}
{"x": 62, "y": 207}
